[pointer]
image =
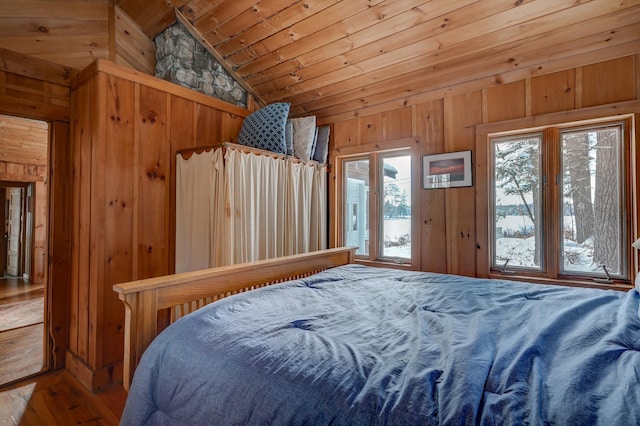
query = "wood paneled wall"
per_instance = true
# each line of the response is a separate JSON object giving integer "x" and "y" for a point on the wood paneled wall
{"x": 126, "y": 129}
{"x": 449, "y": 238}
{"x": 75, "y": 33}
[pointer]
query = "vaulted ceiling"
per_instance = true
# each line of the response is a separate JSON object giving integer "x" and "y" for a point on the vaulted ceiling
{"x": 342, "y": 58}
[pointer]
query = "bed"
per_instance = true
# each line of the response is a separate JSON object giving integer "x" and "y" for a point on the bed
{"x": 353, "y": 344}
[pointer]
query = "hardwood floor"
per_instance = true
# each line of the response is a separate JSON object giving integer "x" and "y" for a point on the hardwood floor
{"x": 53, "y": 398}
{"x": 56, "y": 398}
{"x": 21, "y": 329}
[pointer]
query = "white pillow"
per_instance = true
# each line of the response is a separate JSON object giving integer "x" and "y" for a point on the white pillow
{"x": 304, "y": 133}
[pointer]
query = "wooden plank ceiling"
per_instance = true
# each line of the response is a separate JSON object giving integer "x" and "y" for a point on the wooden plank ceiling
{"x": 339, "y": 59}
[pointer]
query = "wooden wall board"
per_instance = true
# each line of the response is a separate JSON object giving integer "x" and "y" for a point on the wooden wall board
{"x": 399, "y": 123}
{"x": 23, "y": 140}
{"x": 461, "y": 114}
{"x": 151, "y": 174}
{"x": 371, "y": 129}
{"x": 39, "y": 252}
{"x": 59, "y": 254}
{"x": 114, "y": 260}
{"x": 208, "y": 126}
{"x": 26, "y": 96}
{"x": 433, "y": 235}
{"x": 345, "y": 134}
{"x": 83, "y": 106}
{"x": 553, "y": 92}
{"x": 506, "y": 101}
{"x": 609, "y": 82}
{"x": 230, "y": 127}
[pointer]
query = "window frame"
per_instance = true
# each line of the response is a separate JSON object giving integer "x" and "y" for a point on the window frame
{"x": 551, "y": 260}
{"x": 492, "y": 198}
{"x": 376, "y": 203}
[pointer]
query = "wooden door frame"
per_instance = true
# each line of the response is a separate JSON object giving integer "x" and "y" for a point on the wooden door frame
{"x": 58, "y": 244}
{"x": 4, "y": 245}
{"x": 56, "y": 111}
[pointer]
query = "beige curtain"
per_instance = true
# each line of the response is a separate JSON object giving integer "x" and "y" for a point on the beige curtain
{"x": 306, "y": 208}
{"x": 256, "y": 193}
{"x": 200, "y": 217}
{"x": 277, "y": 207}
{"x": 247, "y": 207}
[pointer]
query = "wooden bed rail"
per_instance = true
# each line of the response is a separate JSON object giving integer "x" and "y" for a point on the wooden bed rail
{"x": 185, "y": 292}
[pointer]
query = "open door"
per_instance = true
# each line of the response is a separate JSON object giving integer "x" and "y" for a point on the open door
{"x": 14, "y": 231}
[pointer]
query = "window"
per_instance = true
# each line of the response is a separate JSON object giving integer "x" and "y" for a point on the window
{"x": 376, "y": 205}
{"x": 559, "y": 202}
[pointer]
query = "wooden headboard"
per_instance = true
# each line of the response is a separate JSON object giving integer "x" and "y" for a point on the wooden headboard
{"x": 152, "y": 304}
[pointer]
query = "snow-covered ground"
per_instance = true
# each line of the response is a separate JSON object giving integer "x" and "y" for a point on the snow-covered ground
{"x": 394, "y": 229}
{"x": 520, "y": 251}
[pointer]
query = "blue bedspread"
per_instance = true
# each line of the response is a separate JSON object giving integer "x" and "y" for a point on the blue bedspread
{"x": 360, "y": 346}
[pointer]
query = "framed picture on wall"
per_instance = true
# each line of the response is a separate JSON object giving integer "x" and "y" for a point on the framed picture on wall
{"x": 449, "y": 170}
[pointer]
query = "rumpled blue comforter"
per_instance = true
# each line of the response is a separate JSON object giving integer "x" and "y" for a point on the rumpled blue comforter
{"x": 357, "y": 345}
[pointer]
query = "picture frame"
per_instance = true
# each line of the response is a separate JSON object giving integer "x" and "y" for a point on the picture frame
{"x": 448, "y": 170}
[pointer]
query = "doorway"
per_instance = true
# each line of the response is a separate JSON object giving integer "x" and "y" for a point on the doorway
{"x": 23, "y": 270}
{"x": 17, "y": 214}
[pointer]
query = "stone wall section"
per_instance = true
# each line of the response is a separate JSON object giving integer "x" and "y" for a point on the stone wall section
{"x": 182, "y": 60}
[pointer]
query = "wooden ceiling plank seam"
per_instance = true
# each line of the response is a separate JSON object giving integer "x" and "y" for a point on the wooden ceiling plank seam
{"x": 256, "y": 96}
{"x": 443, "y": 41}
{"x": 281, "y": 22}
{"x": 225, "y": 11}
{"x": 626, "y": 39}
{"x": 404, "y": 35}
{"x": 511, "y": 33}
{"x": 332, "y": 50}
{"x": 415, "y": 80}
{"x": 259, "y": 15}
{"x": 406, "y": 42}
{"x": 447, "y": 39}
{"x": 323, "y": 28}
{"x": 94, "y": 10}
{"x": 333, "y": 22}
{"x": 57, "y": 46}
{"x": 193, "y": 8}
{"x": 45, "y": 27}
